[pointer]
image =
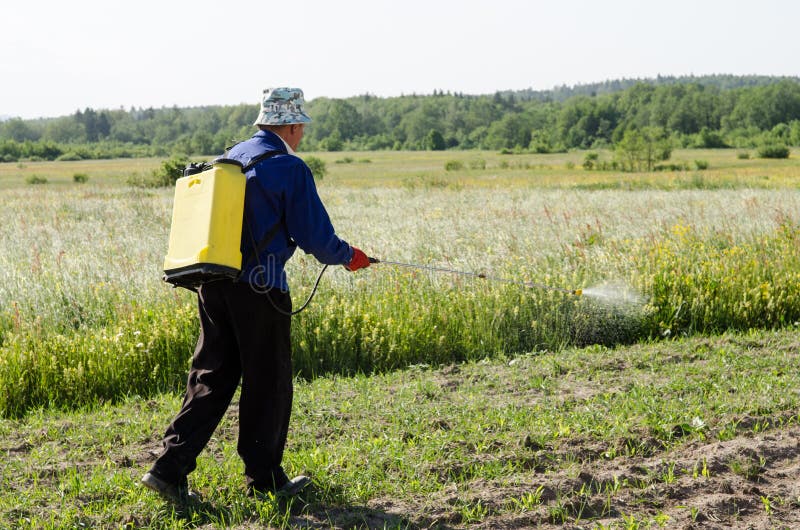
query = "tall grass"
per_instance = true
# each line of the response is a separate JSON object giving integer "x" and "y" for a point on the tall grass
{"x": 85, "y": 317}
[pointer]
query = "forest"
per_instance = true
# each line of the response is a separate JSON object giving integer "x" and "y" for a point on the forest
{"x": 708, "y": 112}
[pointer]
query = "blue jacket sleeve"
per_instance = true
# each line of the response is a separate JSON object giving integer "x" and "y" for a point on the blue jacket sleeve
{"x": 308, "y": 223}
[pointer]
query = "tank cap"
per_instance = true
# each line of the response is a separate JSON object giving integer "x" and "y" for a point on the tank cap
{"x": 227, "y": 161}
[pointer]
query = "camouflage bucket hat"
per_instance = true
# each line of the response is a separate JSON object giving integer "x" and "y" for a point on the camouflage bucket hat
{"x": 282, "y": 106}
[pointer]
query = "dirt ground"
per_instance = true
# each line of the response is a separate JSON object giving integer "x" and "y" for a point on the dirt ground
{"x": 749, "y": 482}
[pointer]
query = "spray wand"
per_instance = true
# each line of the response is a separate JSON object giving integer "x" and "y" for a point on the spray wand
{"x": 532, "y": 285}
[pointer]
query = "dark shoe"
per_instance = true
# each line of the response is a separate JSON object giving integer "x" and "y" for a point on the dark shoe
{"x": 294, "y": 486}
{"x": 177, "y": 493}
{"x": 289, "y": 488}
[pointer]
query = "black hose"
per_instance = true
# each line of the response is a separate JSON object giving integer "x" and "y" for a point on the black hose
{"x": 308, "y": 300}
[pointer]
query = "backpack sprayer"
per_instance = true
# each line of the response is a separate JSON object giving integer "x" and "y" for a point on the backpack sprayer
{"x": 207, "y": 222}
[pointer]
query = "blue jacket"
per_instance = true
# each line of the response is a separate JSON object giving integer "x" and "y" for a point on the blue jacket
{"x": 281, "y": 190}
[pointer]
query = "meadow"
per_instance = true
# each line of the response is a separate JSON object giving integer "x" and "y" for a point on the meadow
{"x": 665, "y": 260}
{"x": 81, "y": 266}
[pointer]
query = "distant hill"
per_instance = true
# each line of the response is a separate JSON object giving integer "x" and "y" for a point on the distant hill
{"x": 721, "y": 81}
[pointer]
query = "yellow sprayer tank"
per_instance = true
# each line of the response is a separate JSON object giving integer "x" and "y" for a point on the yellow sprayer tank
{"x": 206, "y": 226}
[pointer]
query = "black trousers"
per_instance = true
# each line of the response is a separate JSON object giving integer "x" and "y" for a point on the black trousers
{"x": 242, "y": 336}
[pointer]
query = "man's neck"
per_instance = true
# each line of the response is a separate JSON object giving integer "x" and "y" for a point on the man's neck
{"x": 288, "y": 147}
{"x": 285, "y": 143}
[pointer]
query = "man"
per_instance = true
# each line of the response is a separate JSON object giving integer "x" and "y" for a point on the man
{"x": 244, "y": 325}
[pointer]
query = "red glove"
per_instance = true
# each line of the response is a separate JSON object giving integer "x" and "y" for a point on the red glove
{"x": 359, "y": 260}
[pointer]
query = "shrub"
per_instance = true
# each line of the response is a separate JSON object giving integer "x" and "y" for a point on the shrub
{"x": 317, "y": 166}
{"x": 701, "y": 164}
{"x": 80, "y": 178}
{"x": 683, "y": 166}
{"x": 541, "y": 148}
{"x": 709, "y": 139}
{"x": 743, "y": 155}
{"x": 590, "y": 161}
{"x": 426, "y": 181}
{"x": 170, "y": 171}
{"x": 345, "y": 160}
{"x": 35, "y": 179}
{"x": 773, "y": 151}
{"x": 453, "y": 165}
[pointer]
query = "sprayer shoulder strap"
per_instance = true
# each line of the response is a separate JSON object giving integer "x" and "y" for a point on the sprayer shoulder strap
{"x": 269, "y": 236}
{"x": 265, "y": 241}
{"x": 255, "y": 160}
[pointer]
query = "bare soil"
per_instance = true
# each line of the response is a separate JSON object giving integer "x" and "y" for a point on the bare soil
{"x": 750, "y": 482}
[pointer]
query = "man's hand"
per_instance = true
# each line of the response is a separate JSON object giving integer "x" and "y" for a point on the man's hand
{"x": 358, "y": 261}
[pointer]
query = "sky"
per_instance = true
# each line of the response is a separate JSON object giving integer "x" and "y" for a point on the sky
{"x": 60, "y": 56}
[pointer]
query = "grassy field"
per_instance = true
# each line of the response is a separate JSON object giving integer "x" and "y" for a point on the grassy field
{"x": 94, "y": 347}
{"x": 427, "y": 169}
{"x": 80, "y": 273}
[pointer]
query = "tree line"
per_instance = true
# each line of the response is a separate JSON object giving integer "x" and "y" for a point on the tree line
{"x": 712, "y": 111}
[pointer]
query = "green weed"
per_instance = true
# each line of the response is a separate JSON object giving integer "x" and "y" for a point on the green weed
{"x": 84, "y": 316}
